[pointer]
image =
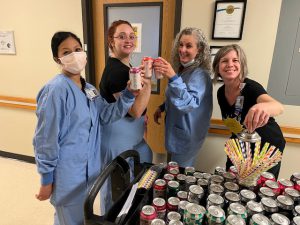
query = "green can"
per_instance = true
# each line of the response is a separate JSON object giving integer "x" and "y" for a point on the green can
{"x": 215, "y": 215}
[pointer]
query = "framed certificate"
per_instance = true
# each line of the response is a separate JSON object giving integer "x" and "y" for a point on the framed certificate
{"x": 229, "y": 19}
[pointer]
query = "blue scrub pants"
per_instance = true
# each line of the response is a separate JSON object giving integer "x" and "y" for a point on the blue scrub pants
{"x": 69, "y": 215}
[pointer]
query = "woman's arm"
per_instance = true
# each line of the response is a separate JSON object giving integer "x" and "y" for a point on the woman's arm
{"x": 259, "y": 114}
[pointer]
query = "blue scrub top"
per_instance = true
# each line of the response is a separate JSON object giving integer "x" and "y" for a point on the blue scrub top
{"x": 68, "y": 137}
{"x": 188, "y": 111}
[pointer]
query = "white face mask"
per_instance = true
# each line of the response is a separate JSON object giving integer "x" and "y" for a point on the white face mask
{"x": 188, "y": 63}
{"x": 74, "y": 62}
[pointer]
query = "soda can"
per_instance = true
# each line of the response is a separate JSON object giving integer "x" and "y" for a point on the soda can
{"x": 279, "y": 219}
{"x": 181, "y": 180}
{"x": 148, "y": 65}
{"x": 229, "y": 177}
{"x": 198, "y": 175}
{"x": 189, "y": 170}
{"x": 296, "y": 210}
{"x": 235, "y": 220}
{"x": 182, "y": 195}
{"x": 172, "y": 188}
{"x": 172, "y": 165}
{"x": 207, "y": 176}
{"x": 147, "y": 214}
{"x": 214, "y": 199}
{"x": 160, "y": 206}
{"x": 135, "y": 78}
{"x": 265, "y": 192}
{"x": 219, "y": 170}
{"x": 195, "y": 194}
{"x": 297, "y": 185}
{"x": 273, "y": 185}
{"x": 189, "y": 180}
{"x": 264, "y": 177}
{"x": 232, "y": 187}
{"x": 182, "y": 207}
{"x": 285, "y": 205}
{"x": 233, "y": 170}
{"x": 295, "y": 177}
{"x": 174, "y": 172}
{"x": 158, "y": 75}
{"x": 158, "y": 222}
{"x": 237, "y": 209}
{"x": 254, "y": 208}
{"x": 215, "y": 215}
{"x": 159, "y": 188}
{"x": 173, "y": 216}
{"x": 270, "y": 205}
{"x": 247, "y": 195}
{"x": 216, "y": 179}
{"x": 296, "y": 220}
{"x": 285, "y": 183}
{"x": 293, "y": 194}
{"x": 172, "y": 204}
{"x": 193, "y": 214}
{"x": 259, "y": 219}
{"x": 231, "y": 197}
{"x": 216, "y": 189}
{"x": 175, "y": 222}
{"x": 168, "y": 177}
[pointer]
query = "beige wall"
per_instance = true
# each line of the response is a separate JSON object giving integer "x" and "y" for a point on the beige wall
{"x": 258, "y": 41}
{"x": 34, "y": 22}
{"x": 22, "y": 75}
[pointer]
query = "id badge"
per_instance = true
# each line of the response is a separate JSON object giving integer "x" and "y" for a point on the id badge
{"x": 91, "y": 93}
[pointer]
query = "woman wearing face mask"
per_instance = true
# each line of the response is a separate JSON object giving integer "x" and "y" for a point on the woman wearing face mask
{"x": 68, "y": 134}
{"x": 127, "y": 133}
{"x": 188, "y": 104}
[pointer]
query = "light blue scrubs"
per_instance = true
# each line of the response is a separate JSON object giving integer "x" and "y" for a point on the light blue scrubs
{"x": 188, "y": 108}
{"x": 67, "y": 142}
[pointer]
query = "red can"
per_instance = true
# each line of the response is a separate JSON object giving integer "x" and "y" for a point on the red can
{"x": 297, "y": 185}
{"x": 273, "y": 185}
{"x": 172, "y": 204}
{"x": 147, "y": 214}
{"x": 285, "y": 183}
{"x": 172, "y": 165}
{"x": 148, "y": 62}
{"x": 264, "y": 177}
{"x": 160, "y": 206}
{"x": 159, "y": 188}
{"x": 295, "y": 177}
{"x": 174, "y": 172}
{"x": 233, "y": 170}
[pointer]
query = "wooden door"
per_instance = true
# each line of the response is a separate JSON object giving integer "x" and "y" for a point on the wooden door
{"x": 155, "y": 133}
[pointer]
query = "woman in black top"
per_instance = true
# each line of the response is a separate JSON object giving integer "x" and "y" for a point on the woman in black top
{"x": 245, "y": 100}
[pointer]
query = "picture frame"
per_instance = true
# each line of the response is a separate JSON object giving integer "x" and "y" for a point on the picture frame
{"x": 149, "y": 32}
{"x": 229, "y": 19}
{"x": 7, "y": 43}
{"x": 213, "y": 52}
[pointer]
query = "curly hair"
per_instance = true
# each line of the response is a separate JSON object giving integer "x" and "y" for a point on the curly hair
{"x": 224, "y": 51}
{"x": 203, "y": 59}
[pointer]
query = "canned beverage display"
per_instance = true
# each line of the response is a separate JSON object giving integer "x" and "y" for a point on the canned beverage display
{"x": 219, "y": 170}
{"x": 269, "y": 205}
{"x": 273, "y": 185}
{"x": 285, "y": 183}
{"x": 182, "y": 206}
{"x": 135, "y": 78}
{"x": 215, "y": 215}
{"x": 237, "y": 209}
{"x": 193, "y": 214}
{"x": 172, "y": 188}
{"x": 296, "y": 220}
{"x": 173, "y": 216}
{"x": 159, "y": 188}
{"x": 148, "y": 66}
{"x": 235, "y": 220}
{"x": 259, "y": 219}
{"x": 158, "y": 75}
{"x": 189, "y": 170}
{"x": 215, "y": 189}
{"x": 147, "y": 214}
{"x": 172, "y": 204}
{"x": 293, "y": 194}
{"x": 279, "y": 219}
{"x": 295, "y": 177}
{"x": 195, "y": 194}
{"x": 175, "y": 222}
{"x": 168, "y": 177}
{"x": 296, "y": 210}
{"x": 160, "y": 206}
{"x": 216, "y": 179}
{"x": 247, "y": 195}
{"x": 229, "y": 177}
{"x": 214, "y": 199}
{"x": 158, "y": 222}
{"x": 265, "y": 192}
{"x": 264, "y": 177}
{"x": 182, "y": 195}
{"x": 232, "y": 187}
{"x": 254, "y": 208}
{"x": 198, "y": 175}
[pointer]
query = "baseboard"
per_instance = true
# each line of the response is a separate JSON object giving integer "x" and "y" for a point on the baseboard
{"x": 25, "y": 158}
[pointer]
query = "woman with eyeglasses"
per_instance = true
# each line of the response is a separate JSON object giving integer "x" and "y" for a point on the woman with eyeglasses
{"x": 68, "y": 133}
{"x": 127, "y": 133}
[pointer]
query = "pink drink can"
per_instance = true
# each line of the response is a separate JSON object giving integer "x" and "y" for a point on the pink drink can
{"x": 135, "y": 78}
{"x": 158, "y": 75}
{"x": 148, "y": 62}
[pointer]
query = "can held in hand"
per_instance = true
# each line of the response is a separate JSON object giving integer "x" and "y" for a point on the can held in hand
{"x": 147, "y": 214}
{"x": 148, "y": 65}
{"x": 158, "y": 75}
{"x": 135, "y": 78}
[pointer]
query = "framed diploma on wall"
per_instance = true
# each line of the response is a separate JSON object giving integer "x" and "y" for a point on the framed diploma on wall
{"x": 229, "y": 19}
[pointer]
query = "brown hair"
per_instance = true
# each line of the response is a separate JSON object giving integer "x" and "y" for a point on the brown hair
{"x": 112, "y": 30}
